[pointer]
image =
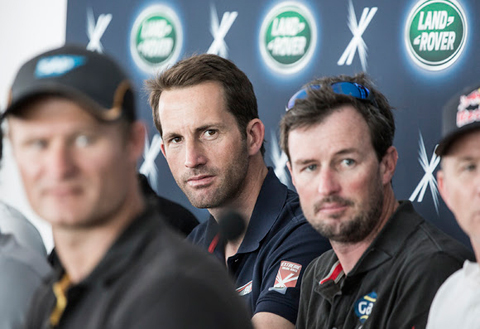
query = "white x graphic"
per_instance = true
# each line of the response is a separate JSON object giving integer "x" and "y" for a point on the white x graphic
{"x": 279, "y": 159}
{"x": 218, "y": 46}
{"x": 283, "y": 282}
{"x": 357, "y": 40}
{"x": 150, "y": 153}
{"x": 96, "y": 31}
{"x": 428, "y": 178}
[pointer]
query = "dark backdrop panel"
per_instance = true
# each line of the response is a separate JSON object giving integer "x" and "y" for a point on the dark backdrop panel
{"x": 417, "y": 93}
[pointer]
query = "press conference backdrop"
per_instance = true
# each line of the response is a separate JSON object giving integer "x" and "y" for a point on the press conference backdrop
{"x": 419, "y": 53}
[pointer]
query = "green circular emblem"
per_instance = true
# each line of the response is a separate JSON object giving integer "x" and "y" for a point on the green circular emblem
{"x": 156, "y": 38}
{"x": 288, "y": 37}
{"x": 436, "y": 33}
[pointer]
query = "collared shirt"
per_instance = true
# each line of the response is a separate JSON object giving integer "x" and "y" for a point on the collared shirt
{"x": 149, "y": 278}
{"x": 393, "y": 283}
{"x": 457, "y": 302}
{"x": 278, "y": 245}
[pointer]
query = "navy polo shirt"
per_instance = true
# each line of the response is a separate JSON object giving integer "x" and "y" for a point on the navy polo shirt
{"x": 278, "y": 245}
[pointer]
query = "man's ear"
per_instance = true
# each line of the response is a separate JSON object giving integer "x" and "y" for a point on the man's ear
{"x": 137, "y": 139}
{"x": 289, "y": 166}
{"x": 255, "y": 136}
{"x": 162, "y": 147}
{"x": 442, "y": 188}
{"x": 388, "y": 165}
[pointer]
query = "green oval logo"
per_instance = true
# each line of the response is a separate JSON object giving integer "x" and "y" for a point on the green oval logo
{"x": 436, "y": 33}
{"x": 156, "y": 38}
{"x": 288, "y": 37}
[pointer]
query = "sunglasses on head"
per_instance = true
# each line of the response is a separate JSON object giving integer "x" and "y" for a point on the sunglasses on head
{"x": 343, "y": 88}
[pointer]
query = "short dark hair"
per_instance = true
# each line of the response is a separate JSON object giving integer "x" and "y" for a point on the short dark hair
{"x": 239, "y": 95}
{"x": 323, "y": 101}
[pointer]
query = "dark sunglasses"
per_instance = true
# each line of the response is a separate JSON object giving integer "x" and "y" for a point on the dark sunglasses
{"x": 343, "y": 88}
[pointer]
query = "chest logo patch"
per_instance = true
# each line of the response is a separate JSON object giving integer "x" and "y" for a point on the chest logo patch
{"x": 364, "y": 306}
{"x": 245, "y": 289}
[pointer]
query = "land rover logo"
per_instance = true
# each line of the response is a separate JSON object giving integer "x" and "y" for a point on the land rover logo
{"x": 288, "y": 37}
{"x": 436, "y": 33}
{"x": 156, "y": 38}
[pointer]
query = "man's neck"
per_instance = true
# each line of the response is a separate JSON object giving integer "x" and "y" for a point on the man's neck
{"x": 244, "y": 203}
{"x": 350, "y": 253}
{"x": 81, "y": 249}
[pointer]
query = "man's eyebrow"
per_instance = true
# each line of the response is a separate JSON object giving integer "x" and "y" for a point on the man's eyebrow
{"x": 214, "y": 125}
{"x": 302, "y": 162}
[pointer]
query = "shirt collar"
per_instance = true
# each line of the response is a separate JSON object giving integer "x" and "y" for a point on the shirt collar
{"x": 270, "y": 202}
{"x": 389, "y": 241}
{"x": 119, "y": 256}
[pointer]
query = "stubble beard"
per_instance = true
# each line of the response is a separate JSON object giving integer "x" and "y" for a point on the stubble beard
{"x": 231, "y": 183}
{"x": 359, "y": 227}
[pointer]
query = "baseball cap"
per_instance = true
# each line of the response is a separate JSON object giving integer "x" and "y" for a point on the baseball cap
{"x": 460, "y": 115}
{"x": 91, "y": 79}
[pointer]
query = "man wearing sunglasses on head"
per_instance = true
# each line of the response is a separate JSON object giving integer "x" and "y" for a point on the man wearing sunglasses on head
{"x": 387, "y": 262}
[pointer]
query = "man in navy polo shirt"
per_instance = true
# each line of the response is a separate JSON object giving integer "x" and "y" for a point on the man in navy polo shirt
{"x": 206, "y": 112}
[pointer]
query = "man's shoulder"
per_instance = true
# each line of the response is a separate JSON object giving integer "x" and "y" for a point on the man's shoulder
{"x": 428, "y": 239}
{"x": 170, "y": 266}
{"x": 198, "y": 234}
{"x": 16, "y": 257}
{"x": 410, "y": 235}
{"x": 170, "y": 254}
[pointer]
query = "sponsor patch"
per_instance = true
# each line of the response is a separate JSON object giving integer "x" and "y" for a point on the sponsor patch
{"x": 287, "y": 276}
{"x": 364, "y": 306}
{"x": 436, "y": 33}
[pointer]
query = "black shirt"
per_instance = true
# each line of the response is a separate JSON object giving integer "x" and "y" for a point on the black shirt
{"x": 177, "y": 216}
{"x": 391, "y": 286}
{"x": 149, "y": 278}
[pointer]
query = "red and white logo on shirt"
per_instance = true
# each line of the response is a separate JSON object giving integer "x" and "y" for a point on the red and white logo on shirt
{"x": 245, "y": 289}
{"x": 287, "y": 275}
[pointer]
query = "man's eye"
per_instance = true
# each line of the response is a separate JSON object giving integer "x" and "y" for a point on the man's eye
{"x": 310, "y": 168}
{"x": 348, "y": 162}
{"x": 83, "y": 140}
{"x": 38, "y": 144}
{"x": 210, "y": 132}
{"x": 175, "y": 140}
{"x": 469, "y": 167}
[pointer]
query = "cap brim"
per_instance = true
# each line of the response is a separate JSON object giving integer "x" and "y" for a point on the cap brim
{"x": 447, "y": 141}
{"x": 59, "y": 89}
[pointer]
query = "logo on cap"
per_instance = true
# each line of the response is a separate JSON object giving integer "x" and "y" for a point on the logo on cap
{"x": 288, "y": 37}
{"x": 436, "y": 33}
{"x": 156, "y": 38}
{"x": 364, "y": 306}
{"x": 54, "y": 66}
{"x": 469, "y": 108}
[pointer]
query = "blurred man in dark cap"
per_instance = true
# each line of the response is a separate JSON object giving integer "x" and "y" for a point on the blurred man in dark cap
{"x": 76, "y": 139}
